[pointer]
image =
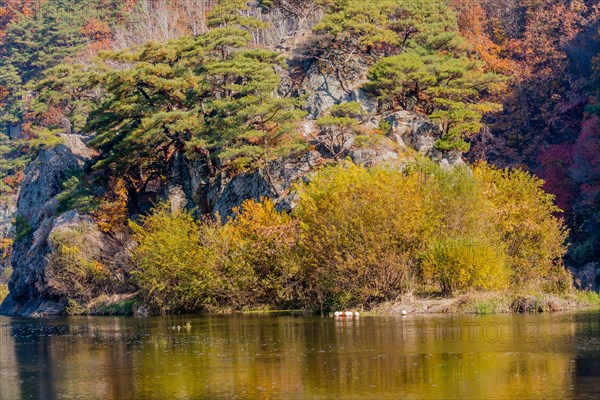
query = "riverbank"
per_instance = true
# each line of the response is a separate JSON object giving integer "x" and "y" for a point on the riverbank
{"x": 468, "y": 303}
{"x": 490, "y": 303}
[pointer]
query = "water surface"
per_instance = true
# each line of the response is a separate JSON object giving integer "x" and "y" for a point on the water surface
{"x": 536, "y": 356}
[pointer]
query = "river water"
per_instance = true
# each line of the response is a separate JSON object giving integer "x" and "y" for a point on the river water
{"x": 531, "y": 356}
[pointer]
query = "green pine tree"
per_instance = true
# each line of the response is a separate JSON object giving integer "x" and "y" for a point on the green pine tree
{"x": 207, "y": 96}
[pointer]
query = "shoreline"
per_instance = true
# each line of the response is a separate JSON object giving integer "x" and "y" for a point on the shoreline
{"x": 490, "y": 303}
{"x": 467, "y": 303}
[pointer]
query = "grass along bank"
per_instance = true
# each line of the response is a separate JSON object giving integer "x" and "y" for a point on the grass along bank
{"x": 467, "y": 303}
{"x": 490, "y": 303}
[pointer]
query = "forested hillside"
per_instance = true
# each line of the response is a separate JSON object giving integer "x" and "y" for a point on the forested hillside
{"x": 193, "y": 155}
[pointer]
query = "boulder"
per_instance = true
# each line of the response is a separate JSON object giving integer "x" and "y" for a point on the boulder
{"x": 323, "y": 91}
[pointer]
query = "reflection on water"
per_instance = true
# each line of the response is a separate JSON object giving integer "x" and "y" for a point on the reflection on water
{"x": 549, "y": 356}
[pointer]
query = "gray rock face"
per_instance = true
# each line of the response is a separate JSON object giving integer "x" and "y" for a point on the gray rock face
{"x": 191, "y": 186}
{"x": 368, "y": 103}
{"x": 414, "y": 130}
{"x": 410, "y": 129}
{"x": 8, "y": 209}
{"x": 220, "y": 194}
{"x": 44, "y": 178}
{"x": 323, "y": 91}
{"x": 29, "y": 292}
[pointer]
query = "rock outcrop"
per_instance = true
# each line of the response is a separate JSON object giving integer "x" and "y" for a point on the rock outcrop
{"x": 416, "y": 131}
{"x": 37, "y": 211}
{"x": 323, "y": 90}
{"x": 190, "y": 185}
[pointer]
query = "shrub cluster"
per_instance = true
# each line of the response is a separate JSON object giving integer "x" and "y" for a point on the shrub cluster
{"x": 85, "y": 263}
{"x": 359, "y": 236}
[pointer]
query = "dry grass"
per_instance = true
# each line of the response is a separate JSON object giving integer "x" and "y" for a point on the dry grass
{"x": 490, "y": 303}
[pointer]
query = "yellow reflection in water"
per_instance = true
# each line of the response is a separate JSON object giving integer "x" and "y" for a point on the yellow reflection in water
{"x": 304, "y": 357}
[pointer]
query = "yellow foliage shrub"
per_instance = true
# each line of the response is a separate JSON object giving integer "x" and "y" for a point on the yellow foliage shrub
{"x": 177, "y": 261}
{"x": 76, "y": 269}
{"x": 3, "y": 291}
{"x": 361, "y": 233}
{"x": 459, "y": 264}
{"x": 359, "y": 236}
{"x": 5, "y": 252}
{"x": 265, "y": 241}
{"x": 4, "y": 278}
{"x": 186, "y": 265}
{"x": 525, "y": 218}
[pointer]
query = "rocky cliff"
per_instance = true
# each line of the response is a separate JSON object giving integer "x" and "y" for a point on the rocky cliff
{"x": 30, "y": 293}
{"x": 191, "y": 186}
{"x": 8, "y": 209}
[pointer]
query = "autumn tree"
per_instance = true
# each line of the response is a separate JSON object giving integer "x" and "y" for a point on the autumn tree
{"x": 525, "y": 217}
{"x": 36, "y": 42}
{"x": 585, "y": 171}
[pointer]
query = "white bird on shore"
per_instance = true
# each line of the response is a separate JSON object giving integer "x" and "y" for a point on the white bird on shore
{"x": 404, "y": 312}
{"x": 337, "y": 314}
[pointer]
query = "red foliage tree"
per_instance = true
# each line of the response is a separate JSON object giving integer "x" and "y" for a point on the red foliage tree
{"x": 555, "y": 163}
{"x": 586, "y": 165}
